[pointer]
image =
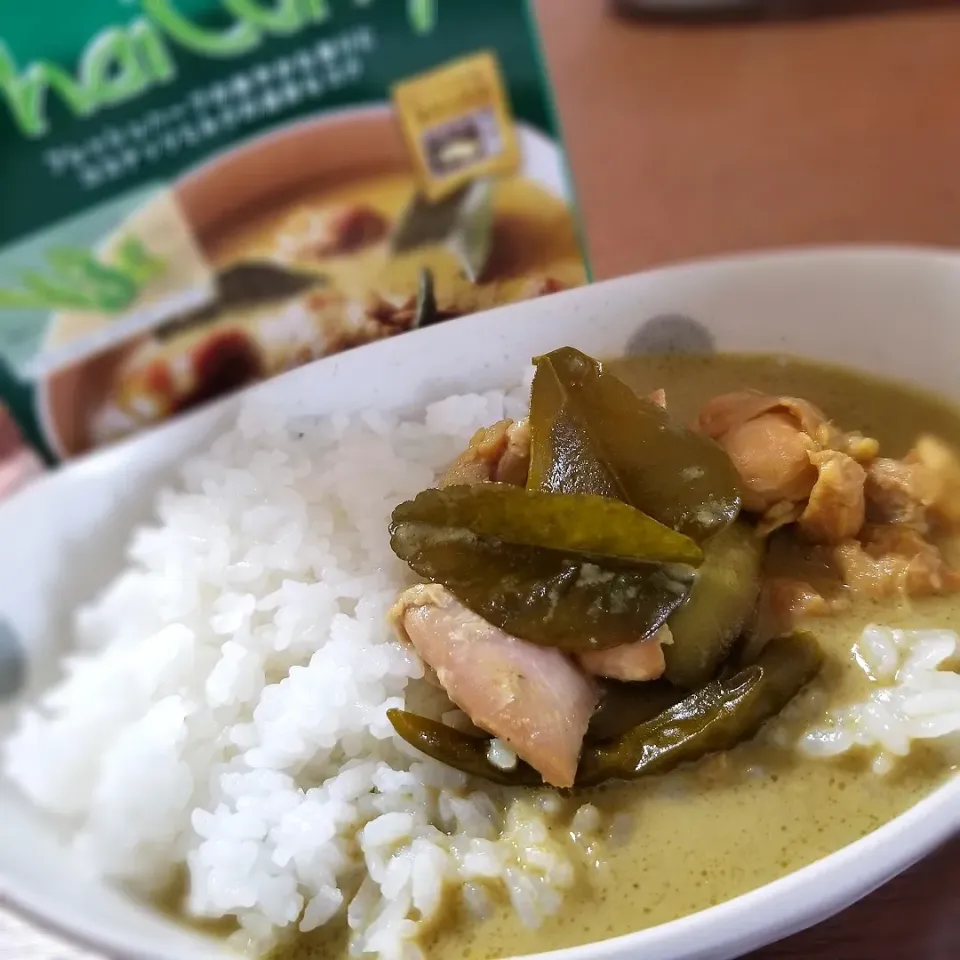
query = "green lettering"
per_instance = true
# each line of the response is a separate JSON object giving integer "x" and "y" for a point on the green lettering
{"x": 110, "y": 70}
{"x": 119, "y": 64}
{"x": 27, "y": 94}
{"x": 80, "y": 100}
{"x": 283, "y": 18}
{"x": 24, "y": 99}
{"x": 240, "y": 38}
{"x": 422, "y": 15}
{"x": 153, "y": 52}
{"x": 316, "y": 11}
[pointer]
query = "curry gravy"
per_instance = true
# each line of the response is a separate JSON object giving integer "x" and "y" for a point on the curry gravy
{"x": 734, "y": 822}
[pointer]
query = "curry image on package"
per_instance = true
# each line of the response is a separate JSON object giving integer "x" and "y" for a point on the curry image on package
{"x": 210, "y": 193}
{"x": 338, "y": 248}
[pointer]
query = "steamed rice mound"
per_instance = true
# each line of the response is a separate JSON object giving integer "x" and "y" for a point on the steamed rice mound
{"x": 227, "y": 709}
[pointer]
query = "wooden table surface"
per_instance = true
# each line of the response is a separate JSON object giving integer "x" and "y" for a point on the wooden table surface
{"x": 691, "y": 142}
{"x": 697, "y": 141}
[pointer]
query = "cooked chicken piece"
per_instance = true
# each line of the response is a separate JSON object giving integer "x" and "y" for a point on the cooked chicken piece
{"x": 793, "y": 600}
{"x": 659, "y": 397}
{"x": 642, "y": 660}
{"x": 730, "y": 410}
{"x": 941, "y": 479}
{"x": 779, "y": 515}
{"x": 856, "y": 445}
{"x": 772, "y": 456}
{"x": 894, "y": 559}
{"x": 835, "y": 510}
{"x": 785, "y": 603}
{"x": 532, "y": 697}
{"x": 897, "y": 492}
{"x": 786, "y": 451}
{"x": 514, "y": 465}
{"x": 500, "y": 452}
{"x": 721, "y": 414}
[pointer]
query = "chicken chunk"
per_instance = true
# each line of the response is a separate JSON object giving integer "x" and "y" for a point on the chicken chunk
{"x": 730, "y": 410}
{"x": 500, "y": 453}
{"x": 940, "y": 478}
{"x": 533, "y": 698}
{"x": 772, "y": 456}
{"x": 836, "y": 507}
{"x": 852, "y": 443}
{"x": 897, "y": 492}
{"x": 923, "y": 487}
{"x": 781, "y": 514}
{"x": 787, "y": 452}
{"x": 893, "y": 559}
{"x": 638, "y": 661}
{"x": 514, "y": 465}
{"x": 785, "y": 603}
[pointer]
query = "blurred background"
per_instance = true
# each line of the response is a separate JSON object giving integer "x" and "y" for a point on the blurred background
{"x": 696, "y": 138}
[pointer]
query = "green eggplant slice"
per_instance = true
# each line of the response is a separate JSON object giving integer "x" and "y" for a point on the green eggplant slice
{"x": 721, "y": 600}
{"x": 459, "y": 750}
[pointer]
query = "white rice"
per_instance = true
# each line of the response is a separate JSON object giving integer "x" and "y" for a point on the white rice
{"x": 916, "y": 697}
{"x": 502, "y": 755}
{"x": 226, "y": 712}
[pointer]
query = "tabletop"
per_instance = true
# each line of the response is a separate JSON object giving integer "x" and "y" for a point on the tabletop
{"x": 700, "y": 141}
{"x": 696, "y": 141}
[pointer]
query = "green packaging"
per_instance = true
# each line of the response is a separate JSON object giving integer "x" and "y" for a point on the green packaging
{"x": 201, "y": 194}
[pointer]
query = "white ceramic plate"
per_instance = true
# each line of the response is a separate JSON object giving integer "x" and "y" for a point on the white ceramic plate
{"x": 896, "y": 312}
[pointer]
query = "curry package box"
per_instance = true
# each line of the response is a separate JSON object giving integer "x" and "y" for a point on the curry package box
{"x": 199, "y": 194}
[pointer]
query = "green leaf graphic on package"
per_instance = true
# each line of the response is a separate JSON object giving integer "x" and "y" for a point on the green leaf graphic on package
{"x": 77, "y": 280}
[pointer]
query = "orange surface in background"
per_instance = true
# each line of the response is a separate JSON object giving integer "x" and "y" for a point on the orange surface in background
{"x": 687, "y": 142}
